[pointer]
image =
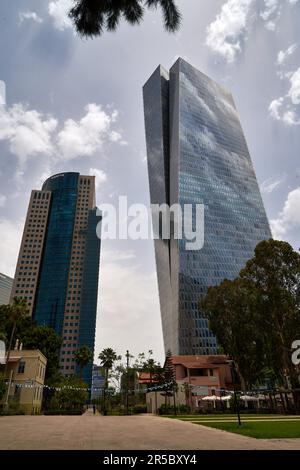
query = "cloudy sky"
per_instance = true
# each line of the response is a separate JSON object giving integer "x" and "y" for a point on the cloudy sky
{"x": 76, "y": 105}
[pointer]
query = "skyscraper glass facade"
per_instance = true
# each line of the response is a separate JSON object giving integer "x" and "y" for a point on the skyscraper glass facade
{"x": 49, "y": 306}
{"x": 5, "y": 289}
{"x": 202, "y": 144}
{"x": 58, "y": 266}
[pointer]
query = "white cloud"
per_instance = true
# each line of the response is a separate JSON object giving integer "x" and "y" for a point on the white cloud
{"x": 30, "y": 133}
{"x": 271, "y": 184}
{"x": 27, "y": 131}
{"x": 2, "y": 200}
{"x": 283, "y": 55}
{"x": 289, "y": 217}
{"x": 226, "y": 34}
{"x": 132, "y": 302}
{"x": 9, "y": 245}
{"x": 275, "y": 107}
{"x": 290, "y": 118}
{"x": 2, "y": 93}
{"x": 113, "y": 256}
{"x": 101, "y": 176}
{"x": 294, "y": 92}
{"x": 59, "y": 10}
{"x": 86, "y": 136}
{"x": 29, "y": 15}
{"x": 271, "y": 14}
{"x": 285, "y": 108}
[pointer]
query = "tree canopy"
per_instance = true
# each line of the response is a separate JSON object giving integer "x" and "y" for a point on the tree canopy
{"x": 83, "y": 356}
{"x": 256, "y": 317}
{"x": 92, "y": 17}
{"x": 33, "y": 336}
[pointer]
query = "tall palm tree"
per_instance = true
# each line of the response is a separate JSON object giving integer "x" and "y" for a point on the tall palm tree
{"x": 107, "y": 357}
{"x": 83, "y": 356}
{"x": 16, "y": 311}
{"x": 91, "y": 17}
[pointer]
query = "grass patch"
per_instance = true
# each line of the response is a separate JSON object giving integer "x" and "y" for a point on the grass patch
{"x": 197, "y": 416}
{"x": 261, "y": 430}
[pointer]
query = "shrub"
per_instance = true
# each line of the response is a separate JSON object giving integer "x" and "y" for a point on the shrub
{"x": 139, "y": 409}
{"x": 183, "y": 409}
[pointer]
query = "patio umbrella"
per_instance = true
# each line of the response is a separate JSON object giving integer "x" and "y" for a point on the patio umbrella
{"x": 226, "y": 398}
{"x": 248, "y": 398}
{"x": 212, "y": 398}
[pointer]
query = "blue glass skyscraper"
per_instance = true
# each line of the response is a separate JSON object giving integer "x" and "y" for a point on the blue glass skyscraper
{"x": 197, "y": 154}
{"x": 58, "y": 265}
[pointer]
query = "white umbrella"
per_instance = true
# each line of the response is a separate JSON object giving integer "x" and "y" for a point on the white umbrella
{"x": 226, "y": 398}
{"x": 248, "y": 398}
{"x": 262, "y": 397}
{"x": 211, "y": 398}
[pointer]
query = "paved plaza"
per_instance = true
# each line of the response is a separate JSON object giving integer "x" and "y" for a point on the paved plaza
{"x": 89, "y": 432}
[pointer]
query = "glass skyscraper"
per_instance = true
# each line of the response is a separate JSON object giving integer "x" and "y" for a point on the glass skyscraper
{"x": 197, "y": 154}
{"x": 58, "y": 265}
{"x": 5, "y": 289}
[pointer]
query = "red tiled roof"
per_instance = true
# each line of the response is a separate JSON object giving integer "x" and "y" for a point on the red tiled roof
{"x": 145, "y": 378}
{"x": 195, "y": 362}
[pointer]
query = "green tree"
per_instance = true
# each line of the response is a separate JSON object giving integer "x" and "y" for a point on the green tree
{"x": 83, "y": 356}
{"x": 47, "y": 341}
{"x": 33, "y": 336}
{"x": 170, "y": 384}
{"x": 15, "y": 312}
{"x": 150, "y": 366}
{"x": 257, "y": 316}
{"x": 91, "y": 17}
{"x": 71, "y": 394}
{"x": 274, "y": 275}
{"x": 231, "y": 310}
{"x": 107, "y": 357}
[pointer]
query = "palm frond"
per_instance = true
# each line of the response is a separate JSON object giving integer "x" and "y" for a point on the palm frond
{"x": 172, "y": 16}
{"x": 88, "y": 16}
{"x": 133, "y": 11}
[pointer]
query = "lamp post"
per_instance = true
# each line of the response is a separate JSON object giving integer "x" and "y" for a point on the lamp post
{"x": 234, "y": 377}
{"x": 6, "y": 402}
{"x": 127, "y": 383}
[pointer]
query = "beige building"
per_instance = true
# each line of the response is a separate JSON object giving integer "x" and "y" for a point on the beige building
{"x": 26, "y": 374}
{"x": 28, "y": 265}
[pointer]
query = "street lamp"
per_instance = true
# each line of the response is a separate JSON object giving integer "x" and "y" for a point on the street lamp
{"x": 234, "y": 377}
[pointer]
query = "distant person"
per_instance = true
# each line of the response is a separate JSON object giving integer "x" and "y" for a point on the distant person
{"x": 94, "y": 409}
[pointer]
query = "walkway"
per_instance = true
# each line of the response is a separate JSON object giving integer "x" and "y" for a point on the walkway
{"x": 122, "y": 432}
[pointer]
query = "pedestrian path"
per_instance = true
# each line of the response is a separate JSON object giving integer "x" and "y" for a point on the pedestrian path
{"x": 124, "y": 433}
{"x": 90, "y": 412}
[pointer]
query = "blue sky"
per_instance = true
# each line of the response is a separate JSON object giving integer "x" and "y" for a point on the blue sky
{"x": 74, "y": 104}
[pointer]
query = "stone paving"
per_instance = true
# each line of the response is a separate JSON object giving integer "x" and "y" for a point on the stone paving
{"x": 92, "y": 432}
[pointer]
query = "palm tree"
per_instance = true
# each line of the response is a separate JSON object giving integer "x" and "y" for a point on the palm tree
{"x": 16, "y": 311}
{"x": 107, "y": 357}
{"x": 91, "y": 17}
{"x": 83, "y": 356}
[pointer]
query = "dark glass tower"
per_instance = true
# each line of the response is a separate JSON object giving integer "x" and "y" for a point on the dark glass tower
{"x": 197, "y": 154}
{"x": 58, "y": 265}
